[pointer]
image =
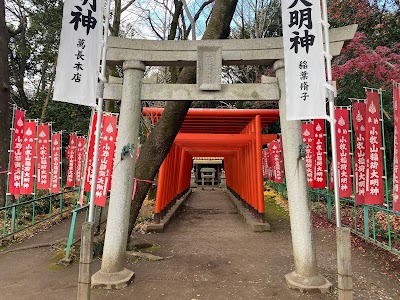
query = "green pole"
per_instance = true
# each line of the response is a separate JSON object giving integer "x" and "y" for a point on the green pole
{"x": 35, "y": 175}
{"x": 385, "y": 172}
{"x": 50, "y": 177}
{"x": 70, "y": 236}
{"x": 366, "y": 221}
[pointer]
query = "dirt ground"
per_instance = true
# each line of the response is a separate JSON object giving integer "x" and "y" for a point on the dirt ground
{"x": 210, "y": 253}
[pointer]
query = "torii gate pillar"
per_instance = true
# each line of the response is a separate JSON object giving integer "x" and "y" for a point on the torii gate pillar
{"x": 305, "y": 277}
{"x": 113, "y": 273}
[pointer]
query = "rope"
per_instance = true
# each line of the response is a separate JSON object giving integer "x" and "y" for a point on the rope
{"x": 135, "y": 184}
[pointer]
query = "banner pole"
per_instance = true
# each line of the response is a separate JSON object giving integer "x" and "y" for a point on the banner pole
{"x": 99, "y": 113}
{"x": 331, "y": 100}
{"x": 343, "y": 242}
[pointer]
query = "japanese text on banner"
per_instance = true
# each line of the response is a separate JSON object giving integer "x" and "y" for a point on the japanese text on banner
{"x": 304, "y": 61}
{"x": 358, "y": 116}
{"x": 43, "y": 162}
{"x": 28, "y": 158}
{"x": 71, "y": 156}
{"x": 308, "y": 139}
{"x": 16, "y": 153}
{"x": 79, "y": 52}
{"x": 343, "y": 151}
{"x": 319, "y": 154}
{"x": 55, "y": 162}
{"x": 374, "y": 191}
{"x": 106, "y": 158}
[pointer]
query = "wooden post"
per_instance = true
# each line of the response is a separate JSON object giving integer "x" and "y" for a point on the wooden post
{"x": 345, "y": 274}
{"x": 86, "y": 257}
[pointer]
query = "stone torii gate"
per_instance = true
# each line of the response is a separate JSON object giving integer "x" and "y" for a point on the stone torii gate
{"x": 208, "y": 55}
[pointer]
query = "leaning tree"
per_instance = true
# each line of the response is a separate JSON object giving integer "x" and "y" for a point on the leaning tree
{"x": 161, "y": 138}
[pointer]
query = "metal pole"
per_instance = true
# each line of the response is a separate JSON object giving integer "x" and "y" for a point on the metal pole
{"x": 99, "y": 113}
{"x": 343, "y": 243}
{"x": 331, "y": 100}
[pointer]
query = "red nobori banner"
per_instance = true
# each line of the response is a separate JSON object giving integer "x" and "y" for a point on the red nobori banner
{"x": 43, "y": 162}
{"x": 276, "y": 161}
{"x": 270, "y": 170}
{"x": 89, "y": 162}
{"x": 14, "y": 184}
{"x": 374, "y": 191}
{"x": 80, "y": 157}
{"x": 343, "y": 151}
{"x": 308, "y": 139}
{"x": 358, "y": 116}
{"x": 106, "y": 158}
{"x": 28, "y": 158}
{"x": 396, "y": 152}
{"x": 264, "y": 162}
{"x": 55, "y": 163}
{"x": 319, "y": 154}
{"x": 71, "y": 156}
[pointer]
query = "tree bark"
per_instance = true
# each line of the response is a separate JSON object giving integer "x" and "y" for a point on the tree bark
{"x": 4, "y": 99}
{"x": 161, "y": 138}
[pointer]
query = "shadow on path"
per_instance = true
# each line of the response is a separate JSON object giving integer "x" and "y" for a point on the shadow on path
{"x": 211, "y": 253}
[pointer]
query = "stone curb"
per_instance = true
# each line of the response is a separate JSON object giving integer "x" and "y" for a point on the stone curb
{"x": 158, "y": 228}
{"x": 249, "y": 218}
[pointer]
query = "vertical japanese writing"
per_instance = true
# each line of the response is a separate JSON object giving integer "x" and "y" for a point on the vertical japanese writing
{"x": 308, "y": 139}
{"x": 80, "y": 152}
{"x": 358, "y": 116}
{"x": 28, "y": 157}
{"x": 373, "y": 137}
{"x": 106, "y": 157}
{"x": 16, "y": 153}
{"x": 300, "y": 19}
{"x": 71, "y": 156}
{"x": 304, "y": 61}
{"x": 319, "y": 154}
{"x": 43, "y": 165}
{"x": 343, "y": 151}
{"x": 55, "y": 162}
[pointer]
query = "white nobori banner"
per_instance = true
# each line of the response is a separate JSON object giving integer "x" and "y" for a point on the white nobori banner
{"x": 304, "y": 60}
{"x": 79, "y": 53}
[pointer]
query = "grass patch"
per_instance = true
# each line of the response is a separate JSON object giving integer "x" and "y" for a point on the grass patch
{"x": 273, "y": 208}
{"x": 153, "y": 248}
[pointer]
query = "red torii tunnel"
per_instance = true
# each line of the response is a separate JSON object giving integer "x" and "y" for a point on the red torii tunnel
{"x": 234, "y": 134}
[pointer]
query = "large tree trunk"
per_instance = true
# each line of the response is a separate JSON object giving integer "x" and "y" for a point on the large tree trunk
{"x": 161, "y": 138}
{"x": 4, "y": 99}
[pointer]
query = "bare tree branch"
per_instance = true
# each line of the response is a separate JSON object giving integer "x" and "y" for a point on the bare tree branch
{"x": 197, "y": 15}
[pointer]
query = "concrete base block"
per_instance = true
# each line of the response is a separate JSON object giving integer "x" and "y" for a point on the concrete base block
{"x": 160, "y": 227}
{"x": 110, "y": 281}
{"x": 308, "y": 284}
{"x": 249, "y": 218}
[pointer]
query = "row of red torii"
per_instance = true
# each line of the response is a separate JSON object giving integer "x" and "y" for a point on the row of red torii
{"x": 208, "y": 56}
